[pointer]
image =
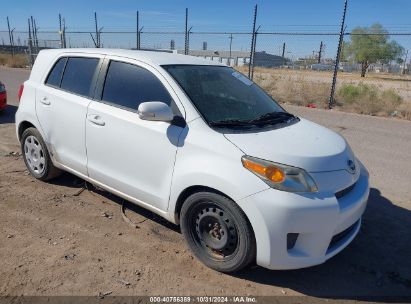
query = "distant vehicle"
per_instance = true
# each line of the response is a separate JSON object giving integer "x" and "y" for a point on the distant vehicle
{"x": 201, "y": 145}
{"x": 3, "y": 96}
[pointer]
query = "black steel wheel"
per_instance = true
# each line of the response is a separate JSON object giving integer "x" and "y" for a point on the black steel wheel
{"x": 217, "y": 231}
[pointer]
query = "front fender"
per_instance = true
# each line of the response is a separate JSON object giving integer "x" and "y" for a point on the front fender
{"x": 208, "y": 159}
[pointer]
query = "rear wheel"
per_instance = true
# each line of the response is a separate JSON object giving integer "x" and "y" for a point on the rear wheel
{"x": 217, "y": 231}
{"x": 36, "y": 156}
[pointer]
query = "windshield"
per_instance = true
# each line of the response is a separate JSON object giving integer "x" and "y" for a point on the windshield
{"x": 222, "y": 94}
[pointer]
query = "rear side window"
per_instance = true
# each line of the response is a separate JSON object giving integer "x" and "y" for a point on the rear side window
{"x": 128, "y": 85}
{"x": 78, "y": 75}
{"x": 54, "y": 77}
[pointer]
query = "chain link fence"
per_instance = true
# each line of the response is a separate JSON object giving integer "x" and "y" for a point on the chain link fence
{"x": 293, "y": 66}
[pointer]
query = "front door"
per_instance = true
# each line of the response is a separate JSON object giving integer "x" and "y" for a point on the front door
{"x": 131, "y": 155}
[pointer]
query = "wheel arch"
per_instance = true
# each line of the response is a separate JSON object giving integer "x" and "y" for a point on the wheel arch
{"x": 24, "y": 125}
{"x": 200, "y": 188}
{"x": 189, "y": 191}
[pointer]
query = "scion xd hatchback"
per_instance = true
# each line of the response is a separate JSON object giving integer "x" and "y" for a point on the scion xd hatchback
{"x": 199, "y": 144}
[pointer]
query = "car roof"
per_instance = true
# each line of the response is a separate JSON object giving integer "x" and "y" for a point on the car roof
{"x": 153, "y": 57}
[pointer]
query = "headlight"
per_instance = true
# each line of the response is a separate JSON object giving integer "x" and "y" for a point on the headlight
{"x": 279, "y": 176}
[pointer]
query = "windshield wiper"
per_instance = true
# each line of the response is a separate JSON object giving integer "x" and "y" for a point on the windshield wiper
{"x": 230, "y": 123}
{"x": 268, "y": 118}
{"x": 274, "y": 117}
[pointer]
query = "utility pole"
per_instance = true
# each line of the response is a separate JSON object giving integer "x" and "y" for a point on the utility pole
{"x": 283, "y": 53}
{"x": 252, "y": 49}
{"x": 231, "y": 43}
{"x": 337, "y": 59}
{"x": 320, "y": 52}
{"x": 10, "y": 37}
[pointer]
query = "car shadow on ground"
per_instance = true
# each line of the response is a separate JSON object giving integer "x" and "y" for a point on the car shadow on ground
{"x": 376, "y": 265}
{"x": 7, "y": 115}
{"x": 69, "y": 180}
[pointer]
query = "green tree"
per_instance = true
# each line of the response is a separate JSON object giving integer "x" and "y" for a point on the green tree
{"x": 371, "y": 45}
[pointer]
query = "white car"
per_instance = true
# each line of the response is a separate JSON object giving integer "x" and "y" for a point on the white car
{"x": 199, "y": 144}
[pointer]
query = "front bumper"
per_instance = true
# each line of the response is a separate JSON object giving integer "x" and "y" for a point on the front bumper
{"x": 324, "y": 224}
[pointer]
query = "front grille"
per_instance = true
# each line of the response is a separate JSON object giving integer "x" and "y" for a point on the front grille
{"x": 341, "y": 236}
{"x": 344, "y": 192}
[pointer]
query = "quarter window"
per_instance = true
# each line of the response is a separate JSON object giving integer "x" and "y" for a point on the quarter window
{"x": 128, "y": 85}
{"x": 54, "y": 77}
{"x": 78, "y": 75}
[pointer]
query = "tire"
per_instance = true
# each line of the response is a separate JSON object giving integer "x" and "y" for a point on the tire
{"x": 36, "y": 156}
{"x": 218, "y": 232}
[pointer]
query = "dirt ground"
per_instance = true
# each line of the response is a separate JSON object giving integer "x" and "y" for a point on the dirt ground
{"x": 55, "y": 240}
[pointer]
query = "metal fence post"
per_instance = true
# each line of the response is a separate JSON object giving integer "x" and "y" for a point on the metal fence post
{"x": 97, "y": 31}
{"x": 139, "y": 37}
{"x": 60, "y": 32}
{"x": 231, "y": 43}
{"x": 188, "y": 40}
{"x": 186, "y": 35}
{"x": 30, "y": 45}
{"x": 35, "y": 33}
{"x": 283, "y": 54}
{"x": 337, "y": 59}
{"x": 64, "y": 34}
{"x": 252, "y": 49}
{"x": 137, "y": 33}
{"x": 320, "y": 52}
{"x": 10, "y": 37}
{"x": 255, "y": 44}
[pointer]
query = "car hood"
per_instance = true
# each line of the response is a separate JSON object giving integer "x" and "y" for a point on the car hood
{"x": 304, "y": 144}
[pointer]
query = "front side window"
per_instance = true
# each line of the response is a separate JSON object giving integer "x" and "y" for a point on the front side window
{"x": 128, "y": 85}
{"x": 78, "y": 75}
{"x": 54, "y": 77}
{"x": 223, "y": 95}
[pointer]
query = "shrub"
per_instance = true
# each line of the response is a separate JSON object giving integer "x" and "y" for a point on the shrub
{"x": 16, "y": 61}
{"x": 368, "y": 99}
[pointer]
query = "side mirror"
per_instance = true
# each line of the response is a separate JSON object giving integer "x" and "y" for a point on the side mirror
{"x": 155, "y": 111}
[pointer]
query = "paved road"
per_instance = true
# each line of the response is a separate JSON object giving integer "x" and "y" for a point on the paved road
{"x": 377, "y": 262}
{"x": 13, "y": 78}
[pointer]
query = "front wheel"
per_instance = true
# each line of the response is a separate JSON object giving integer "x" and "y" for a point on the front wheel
{"x": 217, "y": 231}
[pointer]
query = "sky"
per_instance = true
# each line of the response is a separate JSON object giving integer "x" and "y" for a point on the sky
{"x": 312, "y": 16}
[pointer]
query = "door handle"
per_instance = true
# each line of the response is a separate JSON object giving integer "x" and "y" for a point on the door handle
{"x": 95, "y": 119}
{"x": 45, "y": 101}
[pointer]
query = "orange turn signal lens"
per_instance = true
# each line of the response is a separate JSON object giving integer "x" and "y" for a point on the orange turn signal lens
{"x": 272, "y": 173}
{"x": 275, "y": 174}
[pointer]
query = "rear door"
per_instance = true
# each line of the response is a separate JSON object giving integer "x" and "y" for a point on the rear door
{"x": 61, "y": 107}
{"x": 131, "y": 155}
